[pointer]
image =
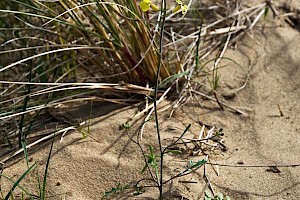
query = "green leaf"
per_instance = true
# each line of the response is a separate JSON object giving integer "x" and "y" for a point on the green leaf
{"x": 198, "y": 164}
{"x": 25, "y": 152}
{"x": 126, "y": 126}
{"x": 144, "y": 168}
{"x": 151, "y": 159}
{"x": 18, "y": 181}
{"x": 151, "y": 149}
{"x": 175, "y": 151}
{"x": 116, "y": 189}
{"x": 267, "y": 9}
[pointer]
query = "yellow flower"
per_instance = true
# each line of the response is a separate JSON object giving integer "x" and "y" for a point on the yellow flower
{"x": 181, "y": 6}
{"x": 146, "y": 4}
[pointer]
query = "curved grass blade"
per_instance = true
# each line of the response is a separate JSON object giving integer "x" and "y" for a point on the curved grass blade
{"x": 12, "y": 181}
{"x": 18, "y": 181}
{"x": 42, "y": 195}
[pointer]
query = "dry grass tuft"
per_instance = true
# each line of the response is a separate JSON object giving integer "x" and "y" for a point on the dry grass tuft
{"x": 59, "y": 52}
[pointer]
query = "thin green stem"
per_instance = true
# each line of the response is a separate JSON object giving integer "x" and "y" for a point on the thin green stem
{"x": 175, "y": 143}
{"x": 161, "y": 25}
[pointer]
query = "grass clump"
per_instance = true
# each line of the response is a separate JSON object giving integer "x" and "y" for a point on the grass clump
{"x": 108, "y": 39}
{"x": 63, "y": 52}
{"x": 48, "y": 44}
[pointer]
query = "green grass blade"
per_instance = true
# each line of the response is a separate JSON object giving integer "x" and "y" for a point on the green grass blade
{"x": 12, "y": 181}
{"x": 25, "y": 152}
{"x": 18, "y": 181}
{"x": 46, "y": 170}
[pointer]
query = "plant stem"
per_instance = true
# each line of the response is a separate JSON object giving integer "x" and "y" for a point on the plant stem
{"x": 161, "y": 25}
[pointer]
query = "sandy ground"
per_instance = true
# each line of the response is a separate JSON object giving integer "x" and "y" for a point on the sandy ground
{"x": 84, "y": 168}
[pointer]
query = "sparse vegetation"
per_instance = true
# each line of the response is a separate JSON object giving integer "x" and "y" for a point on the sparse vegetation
{"x": 62, "y": 52}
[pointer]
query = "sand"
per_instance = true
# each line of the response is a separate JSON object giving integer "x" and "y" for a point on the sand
{"x": 267, "y": 135}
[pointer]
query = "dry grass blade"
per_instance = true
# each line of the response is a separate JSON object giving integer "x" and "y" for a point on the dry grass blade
{"x": 59, "y": 132}
{"x": 61, "y": 52}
